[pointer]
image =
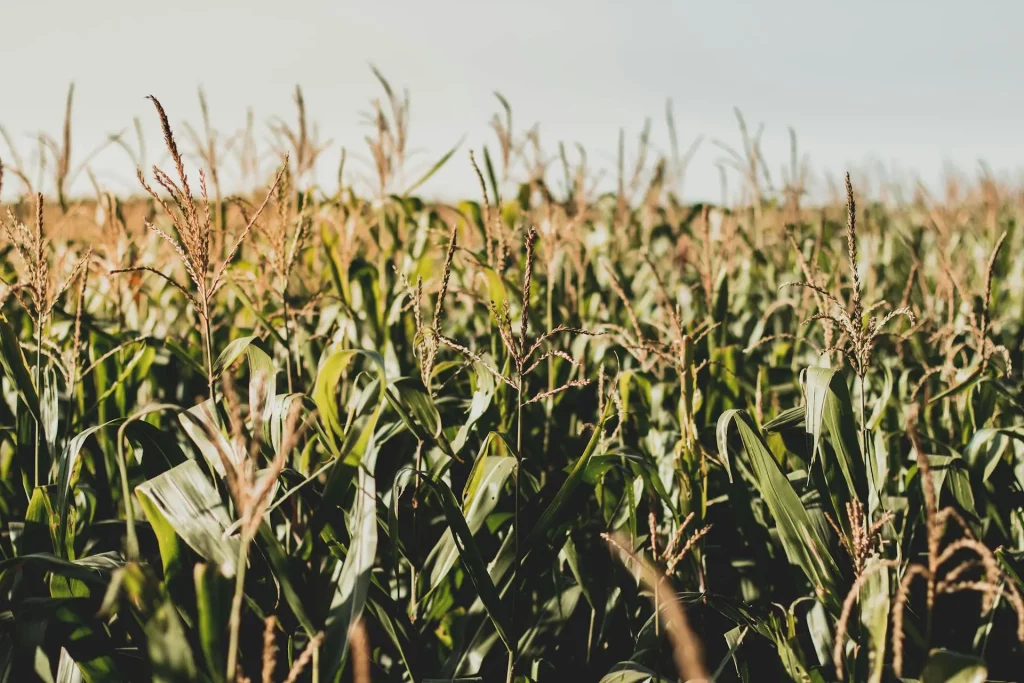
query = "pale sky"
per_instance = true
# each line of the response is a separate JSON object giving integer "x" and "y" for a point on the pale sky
{"x": 910, "y": 85}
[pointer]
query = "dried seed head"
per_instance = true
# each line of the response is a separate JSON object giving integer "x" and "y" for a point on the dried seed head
{"x": 851, "y": 247}
{"x": 652, "y": 526}
{"x": 269, "y": 649}
{"x": 488, "y": 231}
{"x": 531, "y": 238}
{"x": 445, "y": 277}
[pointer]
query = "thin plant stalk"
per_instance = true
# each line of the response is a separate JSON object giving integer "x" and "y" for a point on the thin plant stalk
{"x": 514, "y": 652}
{"x": 39, "y": 392}
{"x": 287, "y": 340}
{"x": 863, "y": 418}
{"x": 208, "y": 349}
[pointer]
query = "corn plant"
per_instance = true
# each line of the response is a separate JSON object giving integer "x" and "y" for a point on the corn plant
{"x": 290, "y": 434}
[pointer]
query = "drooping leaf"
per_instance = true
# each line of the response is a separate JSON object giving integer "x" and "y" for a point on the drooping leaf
{"x": 184, "y": 501}
{"x": 325, "y": 391}
{"x": 433, "y": 169}
{"x": 202, "y": 425}
{"x": 800, "y": 537}
{"x": 946, "y": 666}
{"x": 16, "y": 369}
{"x": 490, "y": 472}
{"x": 262, "y": 382}
{"x": 231, "y": 353}
{"x": 631, "y": 672}
{"x": 94, "y": 570}
{"x": 471, "y": 558}
{"x": 829, "y": 406}
{"x": 154, "y": 449}
{"x": 65, "y": 468}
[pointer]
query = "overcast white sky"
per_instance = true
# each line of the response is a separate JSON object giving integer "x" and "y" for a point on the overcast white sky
{"x": 908, "y": 84}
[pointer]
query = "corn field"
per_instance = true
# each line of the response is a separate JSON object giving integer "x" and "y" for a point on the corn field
{"x": 311, "y": 433}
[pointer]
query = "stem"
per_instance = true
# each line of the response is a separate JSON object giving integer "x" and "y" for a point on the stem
{"x": 39, "y": 393}
{"x": 413, "y": 597}
{"x": 235, "y": 620}
{"x": 549, "y": 404}
{"x": 208, "y": 348}
{"x": 657, "y": 608}
{"x": 287, "y": 342}
{"x": 219, "y": 215}
{"x": 863, "y": 420}
{"x": 514, "y": 651}
{"x": 590, "y": 632}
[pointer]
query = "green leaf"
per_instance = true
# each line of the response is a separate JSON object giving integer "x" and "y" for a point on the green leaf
{"x": 734, "y": 639}
{"x": 169, "y": 651}
{"x": 969, "y": 381}
{"x": 631, "y": 672}
{"x": 800, "y": 537}
{"x": 250, "y": 306}
{"x": 49, "y": 409}
{"x": 182, "y": 354}
{"x": 279, "y": 561}
{"x": 87, "y": 652}
{"x": 946, "y": 666}
{"x": 433, "y": 169}
{"x": 16, "y": 369}
{"x": 183, "y": 500}
{"x": 262, "y": 383}
{"x": 213, "y": 607}
{"x": 155, "y": 450}
{"x": 554, "y": 509}
{"x": 37, "y": 535}
{"x": 483, "y": 394}
{"x": 829, "y": 406}
{"x": 959, "y": 480}
{"x": 570, "y": 556}
{"x": 94, "y": 570}
{"x": 486, "y": 481}
{"x": 352, "y": 582}
{"x": 276, "y": 417}
{"x": 67, "y": 670}
{"x": 878, "y": 412}
{"x": 791, "y": 418}
{"x": 201, "y": 424}
{"x": 496, "y": 291}
{"x": 7, "y": 657}
{"x": 549, "y": 619}
{"x": 396, "y": 625}
{"x": 413, "y": 398}
{"x": 874, "y": 616}
{"x": 231, "y": 353}
{"x": 136, "y": 589}
{"x": 417, "y": 410}
{"x": 325, "y": 390}
{"x": 65, "y": 468}
{"x": 987, "y": 447}
{"x": 472, "y": 560}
